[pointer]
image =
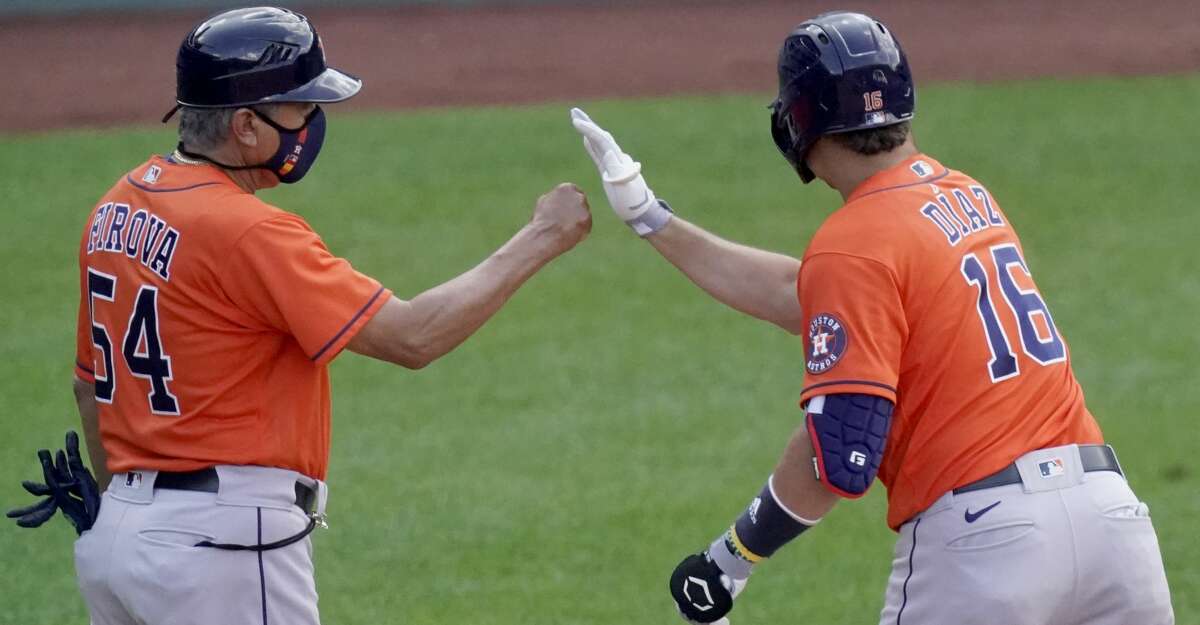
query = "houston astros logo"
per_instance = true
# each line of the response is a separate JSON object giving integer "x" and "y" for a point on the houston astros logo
{"x": 826, "y": 343}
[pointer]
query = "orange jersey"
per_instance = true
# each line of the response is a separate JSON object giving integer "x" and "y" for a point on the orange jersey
{"x": 207, "y": 319}
{"x": 917, "y": 291}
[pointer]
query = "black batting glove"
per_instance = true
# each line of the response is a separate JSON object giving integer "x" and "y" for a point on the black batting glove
{"x": 702, "y": 591}
{"x": 37, "y": 514}
{"x": 69, "y": 487}
{"x": 79, "y": 495}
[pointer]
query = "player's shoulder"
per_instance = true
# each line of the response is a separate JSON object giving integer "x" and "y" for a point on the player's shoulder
{"x": 883, "y": 218}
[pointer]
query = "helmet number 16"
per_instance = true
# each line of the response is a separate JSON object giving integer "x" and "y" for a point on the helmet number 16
{"x": 1025, "y": 306}
{"x": 141, "y": 347}
{"x": 872, "y": 101}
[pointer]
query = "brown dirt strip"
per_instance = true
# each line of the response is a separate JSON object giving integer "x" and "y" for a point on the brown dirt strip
{"x": 106, "y": 69}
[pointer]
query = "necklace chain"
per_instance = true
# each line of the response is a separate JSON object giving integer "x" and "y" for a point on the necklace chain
{"x": 176, "y": 156}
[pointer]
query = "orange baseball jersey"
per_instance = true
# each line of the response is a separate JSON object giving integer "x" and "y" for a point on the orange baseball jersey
{"x": 917, "y": 291}
{"x": 207, "y": 319}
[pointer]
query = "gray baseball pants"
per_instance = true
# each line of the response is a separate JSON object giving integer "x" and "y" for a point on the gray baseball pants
{"x": 1064, "y": 547}
{"x": 139, "y": 565}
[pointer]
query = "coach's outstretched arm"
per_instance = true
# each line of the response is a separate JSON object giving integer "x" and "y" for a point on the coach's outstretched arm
{"x": 759, "y": 283}
{"x": 414, "y": 333}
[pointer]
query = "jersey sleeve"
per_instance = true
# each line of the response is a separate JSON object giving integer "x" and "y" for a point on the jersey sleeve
{"x": 83, "y": 333}
{"x": 281, "y": 273}
{"x": 84, "y": 363}
{"x": 855, "y": 326}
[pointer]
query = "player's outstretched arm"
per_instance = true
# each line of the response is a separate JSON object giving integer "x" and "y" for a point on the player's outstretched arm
{"x": 756, "y": 282}
{"x": 414, "y": 333}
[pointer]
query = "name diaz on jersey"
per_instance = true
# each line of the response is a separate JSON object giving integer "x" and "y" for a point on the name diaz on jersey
{"x": 956, "y": 226}
{"x": 141, "y": 235}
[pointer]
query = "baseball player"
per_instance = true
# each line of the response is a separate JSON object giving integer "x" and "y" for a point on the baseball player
{"x": 207, "y": 321}
{"x": 932, "y": 362}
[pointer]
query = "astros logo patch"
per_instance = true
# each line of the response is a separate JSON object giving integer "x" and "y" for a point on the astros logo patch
{"x": 826, "y": 343}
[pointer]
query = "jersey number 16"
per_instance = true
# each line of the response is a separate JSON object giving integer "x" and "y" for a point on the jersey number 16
{"x": 1025, "y": 306}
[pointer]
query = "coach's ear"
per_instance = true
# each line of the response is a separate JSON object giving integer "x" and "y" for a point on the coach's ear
{"x": 245, "y": 128}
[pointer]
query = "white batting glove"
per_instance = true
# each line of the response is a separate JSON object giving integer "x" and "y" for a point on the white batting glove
{"x": 627, "y": 192}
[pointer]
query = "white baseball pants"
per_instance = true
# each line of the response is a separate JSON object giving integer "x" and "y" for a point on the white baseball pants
{"x": 1064, "y": 547}
{"x": 138, "y": 565}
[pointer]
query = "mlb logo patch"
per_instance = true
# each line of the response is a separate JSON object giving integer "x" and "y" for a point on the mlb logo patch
{"x": 152, "y": 174}
{"x": 133, "y": 480}
{"x": 922, "y": 169}
{"x": 1051, "y": 468}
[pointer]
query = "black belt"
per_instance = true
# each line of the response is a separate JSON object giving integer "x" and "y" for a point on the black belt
{"x": 1093, "y": 458}
{"x": 207, "y": 481}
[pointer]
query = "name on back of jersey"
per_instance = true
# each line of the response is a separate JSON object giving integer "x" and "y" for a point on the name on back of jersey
{"x": 138, "y": 234}
{"x": 966, "y": 215}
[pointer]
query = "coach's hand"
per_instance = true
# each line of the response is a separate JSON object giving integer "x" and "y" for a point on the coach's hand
{"x": 630, "y": 197}
{"x": 563, "y": 215}
{"x": 703, "y": 593}
{"x": 69, "y": 487}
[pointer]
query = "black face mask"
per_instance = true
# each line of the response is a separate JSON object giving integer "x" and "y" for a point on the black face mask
{"x": 298, "y": 148}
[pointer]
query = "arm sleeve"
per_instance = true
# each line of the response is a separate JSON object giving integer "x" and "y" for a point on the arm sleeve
{"x": 281, "y": 273}
{"x": 856, "y": 328}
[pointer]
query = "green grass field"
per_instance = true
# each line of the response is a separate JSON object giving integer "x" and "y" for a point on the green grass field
{"x": 612, "y": 418}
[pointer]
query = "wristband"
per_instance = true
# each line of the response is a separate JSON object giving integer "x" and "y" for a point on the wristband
{"x": 655, "y": 218}
{"x": 758, "y": 533}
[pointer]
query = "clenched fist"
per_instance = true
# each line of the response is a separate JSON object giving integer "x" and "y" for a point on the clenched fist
{"x": 563, "y": 215}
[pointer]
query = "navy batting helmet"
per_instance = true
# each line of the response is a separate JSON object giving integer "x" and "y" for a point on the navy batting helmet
{"x": 254, "y": 56}
{"x": 838, "y": 72}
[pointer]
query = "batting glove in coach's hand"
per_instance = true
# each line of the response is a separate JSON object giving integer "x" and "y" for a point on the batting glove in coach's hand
{"x": 703, "y": 592}
{"x": 627, "y": 192}
{"x": 69, "y": 487}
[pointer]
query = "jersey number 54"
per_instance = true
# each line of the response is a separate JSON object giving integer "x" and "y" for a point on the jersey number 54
{"x": 141, "y": 347}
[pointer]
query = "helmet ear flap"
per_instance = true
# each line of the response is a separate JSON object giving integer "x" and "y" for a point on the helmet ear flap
{"x": 780, "y": 132}
{"x": 788, "y": 139}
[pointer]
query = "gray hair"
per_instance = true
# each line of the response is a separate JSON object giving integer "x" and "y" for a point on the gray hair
{"x": 204, "y": 129}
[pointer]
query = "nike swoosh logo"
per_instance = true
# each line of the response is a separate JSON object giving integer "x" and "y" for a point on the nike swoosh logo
{"x": 970, "y": 517}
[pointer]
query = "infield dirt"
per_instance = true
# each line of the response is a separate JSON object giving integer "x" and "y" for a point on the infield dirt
{"x": 105, "y": 69}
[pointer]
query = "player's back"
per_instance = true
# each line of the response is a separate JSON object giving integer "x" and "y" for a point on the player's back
{"x": 983, "y": 373}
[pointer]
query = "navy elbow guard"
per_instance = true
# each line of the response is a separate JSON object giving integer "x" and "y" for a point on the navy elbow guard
{"x": 848, "y": 432}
